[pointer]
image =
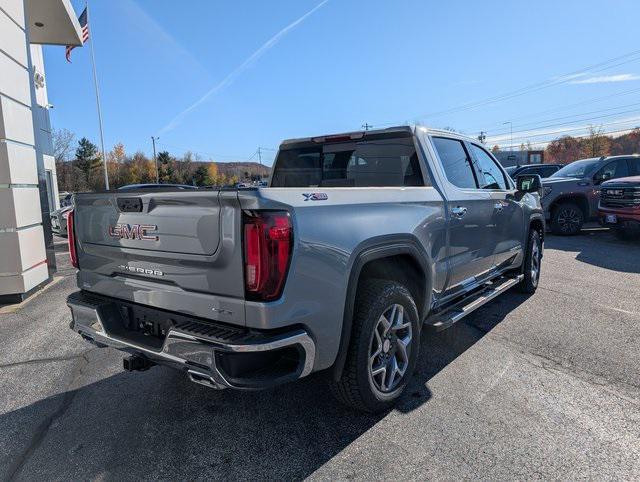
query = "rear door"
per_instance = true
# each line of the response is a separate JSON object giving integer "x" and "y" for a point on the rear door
{"x": 507, "y": 215}
{"x": 470, "y": 216}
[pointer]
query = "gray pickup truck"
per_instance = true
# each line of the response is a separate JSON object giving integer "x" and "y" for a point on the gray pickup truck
{"x": 359, "y": 241}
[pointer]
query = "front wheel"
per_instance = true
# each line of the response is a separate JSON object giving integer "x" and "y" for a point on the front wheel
{"x": 383, "y": 349}
{"x": 532, "y": 263}
{"x": 567, "y": 219}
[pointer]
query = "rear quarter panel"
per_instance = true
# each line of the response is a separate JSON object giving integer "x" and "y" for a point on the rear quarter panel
{"x": 329, "y": 234}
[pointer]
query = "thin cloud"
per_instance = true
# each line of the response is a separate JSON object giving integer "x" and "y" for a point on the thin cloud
{"x": 152, "y": 30}
{"x": 234, "y": 74}
{"x": 605, "y": 79}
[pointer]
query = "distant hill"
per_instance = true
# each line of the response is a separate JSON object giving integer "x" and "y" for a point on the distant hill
{"x": 240, "y": 169}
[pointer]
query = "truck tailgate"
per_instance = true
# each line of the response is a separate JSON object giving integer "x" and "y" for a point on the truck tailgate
{"x": 141, "y": 245}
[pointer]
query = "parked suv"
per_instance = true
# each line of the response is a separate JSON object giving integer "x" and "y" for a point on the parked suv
{"x": 620, "y": 206}
{"x": 571, "y": 195}
{"x": 359, "y": 241}
{"x": 542, "y": 170}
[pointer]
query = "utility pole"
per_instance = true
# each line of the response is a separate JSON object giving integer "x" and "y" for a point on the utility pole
{"x": 260, "y": 155}
{"x": 155, "y": 158}
{"x": 511, "y": 130}
{"x": 366, "y": 126}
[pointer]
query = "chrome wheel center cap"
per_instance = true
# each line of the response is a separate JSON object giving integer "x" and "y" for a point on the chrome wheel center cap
{"x": 386, "y": 345}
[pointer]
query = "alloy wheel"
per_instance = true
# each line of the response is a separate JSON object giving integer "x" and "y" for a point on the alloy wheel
{"x": 535, "y": 262}
{"x": 569, "y": 220}
{"x": 390, "y": 348}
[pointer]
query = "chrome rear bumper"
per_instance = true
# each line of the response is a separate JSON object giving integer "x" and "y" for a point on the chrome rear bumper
{"x": 194, "y": 350}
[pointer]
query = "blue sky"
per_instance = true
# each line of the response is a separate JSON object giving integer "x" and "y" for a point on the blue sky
{"x": 221, "y": 78}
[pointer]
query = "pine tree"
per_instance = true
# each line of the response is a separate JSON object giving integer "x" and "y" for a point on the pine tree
{"x": 87, "y": 158}
{"x": 200, "y": 176}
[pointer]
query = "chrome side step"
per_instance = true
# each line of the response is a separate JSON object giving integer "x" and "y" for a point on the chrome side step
{"x": 444, "y": 319}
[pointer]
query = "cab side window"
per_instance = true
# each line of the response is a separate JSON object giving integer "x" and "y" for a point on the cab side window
{"x": 455, "y": 162}
{"x": 634, "y": 167}
{"x": 490, "y": 176}
{"x": 613, "y": 170}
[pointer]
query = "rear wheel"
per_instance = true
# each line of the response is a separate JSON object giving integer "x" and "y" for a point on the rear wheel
{"x": 383, "y": 348}
{"x": 532, "y": 264}
{"x": 567, "y": 219}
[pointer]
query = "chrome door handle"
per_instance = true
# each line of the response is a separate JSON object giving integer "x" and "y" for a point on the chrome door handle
{"x": 498, "y": 206}
{"x": 458, "y": 212}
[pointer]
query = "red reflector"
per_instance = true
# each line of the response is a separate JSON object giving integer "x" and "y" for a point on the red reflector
{"x": 267, "y": 250}
{"x": 71, "y": 238}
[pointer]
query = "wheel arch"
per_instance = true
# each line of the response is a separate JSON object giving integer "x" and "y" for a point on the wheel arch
{"x": 579, "y": 199}
{"x": 389, "y": 253}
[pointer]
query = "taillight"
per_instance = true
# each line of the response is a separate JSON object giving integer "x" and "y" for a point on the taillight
{"x": 71, "y": 238}
{"x": 267, "y": 249}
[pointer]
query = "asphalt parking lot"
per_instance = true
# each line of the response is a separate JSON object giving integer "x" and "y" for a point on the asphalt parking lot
{"x": 546, "y": 386}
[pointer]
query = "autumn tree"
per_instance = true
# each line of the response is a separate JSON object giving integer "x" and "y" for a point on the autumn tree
{"x": 115, "y": 165}
{"x": 627, "y": 143}
{"x": 564, "y": 150}
{"x": 596, "y": 144}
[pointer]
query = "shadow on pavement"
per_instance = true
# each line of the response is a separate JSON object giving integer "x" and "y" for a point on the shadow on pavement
{"x": 158, "y": 425}
{"x": 600, "y": 247}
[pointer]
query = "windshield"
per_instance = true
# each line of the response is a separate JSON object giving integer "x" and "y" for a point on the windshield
{"x": 577, "y": 169}
{"x": 511, "y": 169}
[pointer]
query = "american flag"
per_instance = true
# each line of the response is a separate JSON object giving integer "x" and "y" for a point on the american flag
{"x": 85, "y": 33}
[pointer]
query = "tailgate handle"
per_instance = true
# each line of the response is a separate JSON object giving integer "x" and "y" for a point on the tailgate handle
{"x": 130, "y": 204}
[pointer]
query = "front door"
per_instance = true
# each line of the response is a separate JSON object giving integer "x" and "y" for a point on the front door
{"x": 507, "y": 213}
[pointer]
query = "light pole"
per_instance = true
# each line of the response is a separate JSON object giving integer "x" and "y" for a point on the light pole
{"x": 155, "y": 158}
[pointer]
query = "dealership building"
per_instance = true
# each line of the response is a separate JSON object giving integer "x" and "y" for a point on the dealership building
{"x": 28, "y": 185}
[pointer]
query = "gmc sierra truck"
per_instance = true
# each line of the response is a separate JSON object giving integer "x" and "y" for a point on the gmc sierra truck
{"x": 358, "y": 242}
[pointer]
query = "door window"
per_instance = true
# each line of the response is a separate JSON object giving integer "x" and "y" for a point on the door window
{"x": 634, "y": 167}
{"x": 490, "y": 175}
{"x": 455, "y": 162}
{"x": 613, "y": 170}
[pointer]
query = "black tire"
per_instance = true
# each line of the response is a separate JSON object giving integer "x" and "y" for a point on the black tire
{"x": 567, "y": 219}
{"x": 532, "y": 264}
{"x": 358, "y": 388}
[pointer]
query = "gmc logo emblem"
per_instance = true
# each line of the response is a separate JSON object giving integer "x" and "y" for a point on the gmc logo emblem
{"x": 133, "y": 231}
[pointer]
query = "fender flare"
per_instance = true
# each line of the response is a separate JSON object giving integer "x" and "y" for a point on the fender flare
{"x": 377, "y": 248}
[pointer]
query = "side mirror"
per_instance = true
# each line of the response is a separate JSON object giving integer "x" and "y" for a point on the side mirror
{"x": 600, "y": 178}
{"x": 529, "y": 183}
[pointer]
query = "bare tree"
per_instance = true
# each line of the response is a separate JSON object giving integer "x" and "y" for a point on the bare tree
{"x": 63, "y": 144}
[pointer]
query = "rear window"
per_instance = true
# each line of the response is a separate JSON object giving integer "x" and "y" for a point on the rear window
{"x": 381, "y": 162}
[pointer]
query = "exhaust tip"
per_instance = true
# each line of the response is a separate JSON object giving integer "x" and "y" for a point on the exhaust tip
{"x": 205, "y": 380}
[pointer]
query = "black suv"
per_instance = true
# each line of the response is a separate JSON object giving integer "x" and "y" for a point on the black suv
{"x": 542, "y": 170}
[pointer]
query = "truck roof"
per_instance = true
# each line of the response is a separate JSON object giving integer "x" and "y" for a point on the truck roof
{"x": 400, "y": 129}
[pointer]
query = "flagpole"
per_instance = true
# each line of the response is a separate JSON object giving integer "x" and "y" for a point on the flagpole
{"x": 95, "y": 83}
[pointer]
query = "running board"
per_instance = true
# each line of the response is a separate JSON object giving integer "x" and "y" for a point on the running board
{"x": 447, "y": 317}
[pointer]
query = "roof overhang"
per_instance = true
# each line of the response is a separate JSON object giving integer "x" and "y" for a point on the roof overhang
{"x": 53, "y": 22}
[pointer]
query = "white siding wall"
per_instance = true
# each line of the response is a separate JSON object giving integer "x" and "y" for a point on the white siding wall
{"x": 22, "y": 249}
